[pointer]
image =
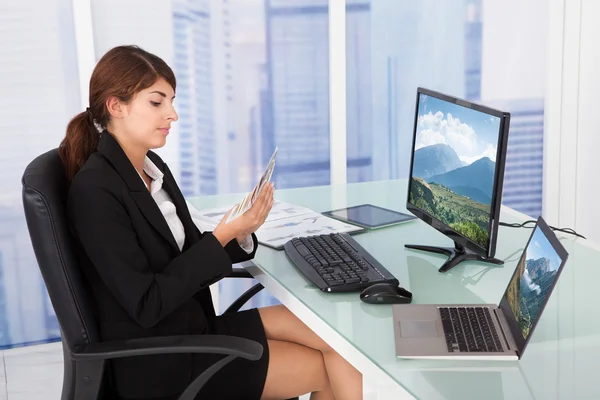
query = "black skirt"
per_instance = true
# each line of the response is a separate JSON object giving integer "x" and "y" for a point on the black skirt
{"x": 240, "y": 379}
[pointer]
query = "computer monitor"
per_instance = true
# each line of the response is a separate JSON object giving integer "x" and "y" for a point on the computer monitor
{"x": 456, "y": 174}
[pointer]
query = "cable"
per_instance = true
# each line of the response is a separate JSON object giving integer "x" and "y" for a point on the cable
{"x": 564, "y": 230}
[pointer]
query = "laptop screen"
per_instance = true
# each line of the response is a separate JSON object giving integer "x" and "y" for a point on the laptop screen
{"x": 534, "y": 279}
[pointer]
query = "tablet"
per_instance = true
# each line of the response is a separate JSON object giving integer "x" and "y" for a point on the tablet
{"x": 369, "y": 216}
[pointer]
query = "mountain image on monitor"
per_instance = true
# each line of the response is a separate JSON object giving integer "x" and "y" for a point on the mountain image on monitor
{"x": 435, "y": 160}
{"x": 532, "y": 281}
{"x": 460, "y": 197}
{"x": 529, "y": 289}
{"x": 454, "y": 165}
{"x": 535, "y": 285}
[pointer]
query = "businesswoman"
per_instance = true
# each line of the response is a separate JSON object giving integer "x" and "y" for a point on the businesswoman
{"x": 148, "y": 264}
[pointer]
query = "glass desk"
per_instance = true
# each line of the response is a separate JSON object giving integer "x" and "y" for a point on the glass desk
{"x": 561, "y": 361}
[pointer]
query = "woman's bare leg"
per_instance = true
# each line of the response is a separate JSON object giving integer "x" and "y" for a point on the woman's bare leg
{"x": 295, "y": 370}
{"x": 282, "y": 325}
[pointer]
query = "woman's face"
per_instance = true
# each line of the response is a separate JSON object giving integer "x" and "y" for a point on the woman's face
{"x": 145, "y": 121}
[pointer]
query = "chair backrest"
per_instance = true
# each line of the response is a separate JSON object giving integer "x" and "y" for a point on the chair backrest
{"x": 45, "y": 189}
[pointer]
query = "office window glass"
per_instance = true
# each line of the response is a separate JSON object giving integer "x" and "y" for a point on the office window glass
{"x": 252, "y": 75}
{"x": 488, "y": 51}
{"x": 40, "y": 93}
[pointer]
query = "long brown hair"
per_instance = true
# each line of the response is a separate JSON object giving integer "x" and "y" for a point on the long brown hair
{"x": 122, "y": 72}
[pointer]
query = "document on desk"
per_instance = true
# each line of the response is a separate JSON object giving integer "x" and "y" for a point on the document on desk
{"x": 285, "y": 221}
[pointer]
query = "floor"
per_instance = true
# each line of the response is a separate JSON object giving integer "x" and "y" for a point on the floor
{"x": 32, "y": 372}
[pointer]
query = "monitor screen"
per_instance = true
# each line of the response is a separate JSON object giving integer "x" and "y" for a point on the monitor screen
{"x": 454, "y": 164}
{"x": 533, "y": 281}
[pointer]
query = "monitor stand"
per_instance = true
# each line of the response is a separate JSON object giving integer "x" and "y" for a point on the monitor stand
{"x": 455, "y": 255}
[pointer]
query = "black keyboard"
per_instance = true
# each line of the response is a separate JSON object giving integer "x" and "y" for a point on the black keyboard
{"x": 469, "y": 329}
{"x": 336, "y": 263}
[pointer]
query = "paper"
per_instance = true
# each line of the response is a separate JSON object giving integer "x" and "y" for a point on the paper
{"x": 284, "y": 222}
{"x": 250, "y": 198}
{"x": 278, "y": 232}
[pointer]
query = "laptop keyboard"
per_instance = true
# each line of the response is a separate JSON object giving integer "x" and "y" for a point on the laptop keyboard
{"x": 469, "y": 329}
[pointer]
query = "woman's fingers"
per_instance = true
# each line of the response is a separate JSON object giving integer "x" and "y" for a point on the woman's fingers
{"x": 263, "y": 197}
{"x": 268, "y": 201}
{"x": 262, "y": 206}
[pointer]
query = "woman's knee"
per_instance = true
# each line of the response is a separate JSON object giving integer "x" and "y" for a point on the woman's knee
{"x": 281, "y": 324}
{"x": 294, "y": 370}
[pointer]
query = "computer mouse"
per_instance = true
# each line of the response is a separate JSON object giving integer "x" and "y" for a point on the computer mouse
{"x": 385, "y": 293}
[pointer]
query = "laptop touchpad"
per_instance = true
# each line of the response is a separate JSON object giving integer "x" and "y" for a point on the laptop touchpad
{"x": 418, "y": 329}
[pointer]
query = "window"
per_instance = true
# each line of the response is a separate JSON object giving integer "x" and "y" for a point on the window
{"x": 463, "y": 48}
{"x": 32, "y": 122}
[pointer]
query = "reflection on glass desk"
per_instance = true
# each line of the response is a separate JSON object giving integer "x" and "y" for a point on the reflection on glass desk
{"x": 562, "y": 358}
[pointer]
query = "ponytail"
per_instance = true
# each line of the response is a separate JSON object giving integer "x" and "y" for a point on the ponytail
{"x": 80, "y": 142}
{"x": 121, "y": 73}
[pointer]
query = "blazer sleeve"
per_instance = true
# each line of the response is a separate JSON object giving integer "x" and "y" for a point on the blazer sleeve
{"x": 237, "y": 254}
{"x": 233, "y": 248}
{"x": 104, "y": 229}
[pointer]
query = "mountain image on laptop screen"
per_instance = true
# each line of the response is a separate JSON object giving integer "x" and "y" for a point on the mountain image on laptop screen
{"x": 532, "y": 281}
{"x": 453, "y": 166}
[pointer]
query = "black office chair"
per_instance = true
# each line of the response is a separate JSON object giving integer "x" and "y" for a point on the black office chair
{"x": 44, "y": 197}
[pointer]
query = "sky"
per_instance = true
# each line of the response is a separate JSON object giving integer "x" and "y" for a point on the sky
{"x": 472, "y": 134}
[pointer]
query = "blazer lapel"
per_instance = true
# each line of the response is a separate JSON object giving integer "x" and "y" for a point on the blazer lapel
{"x": 148, "y": 207}
{"x": 111, "y": 149}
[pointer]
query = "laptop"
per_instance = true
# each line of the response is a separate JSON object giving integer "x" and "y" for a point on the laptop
{"x": 486, "y": 331}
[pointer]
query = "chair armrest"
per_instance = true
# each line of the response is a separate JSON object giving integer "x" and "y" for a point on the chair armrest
{"x": 243, "y": 299}
{"x": 212, "y": 344}
{"x": 239, "y": 273}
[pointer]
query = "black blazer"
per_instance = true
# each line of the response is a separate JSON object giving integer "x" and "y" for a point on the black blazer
{"x": 142, "y": 283}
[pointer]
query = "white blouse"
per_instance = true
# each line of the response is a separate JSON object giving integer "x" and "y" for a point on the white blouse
{"x": 167, "y": 208}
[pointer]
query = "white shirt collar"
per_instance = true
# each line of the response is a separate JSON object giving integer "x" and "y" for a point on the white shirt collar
{"x": 153, "y": 172}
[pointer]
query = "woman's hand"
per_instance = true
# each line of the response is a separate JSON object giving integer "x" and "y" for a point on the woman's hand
{"x": 247, "y": 223}
{"x": 251, "y": 220}
{"x": 223, "y": 231}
